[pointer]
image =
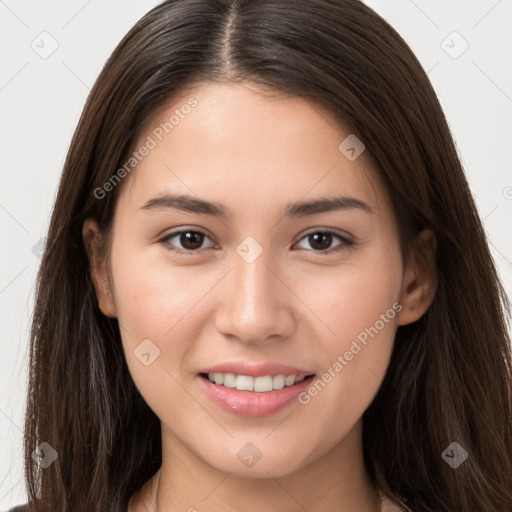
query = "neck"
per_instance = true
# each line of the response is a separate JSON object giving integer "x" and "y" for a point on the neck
{"x": 336, "y": 481}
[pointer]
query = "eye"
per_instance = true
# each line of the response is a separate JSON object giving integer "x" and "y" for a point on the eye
{"x": 322, "y": 238}
{"x": 190, "y": 239}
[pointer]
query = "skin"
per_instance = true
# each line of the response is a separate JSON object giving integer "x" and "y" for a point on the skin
{"x": 255, "y": 153}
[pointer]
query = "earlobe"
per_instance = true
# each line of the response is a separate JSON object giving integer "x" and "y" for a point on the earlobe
{"x": 420, "y": 280}
{"x": 98, "y": 268}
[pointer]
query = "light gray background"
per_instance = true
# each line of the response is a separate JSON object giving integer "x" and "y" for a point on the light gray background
{"x": 41, "y": 100}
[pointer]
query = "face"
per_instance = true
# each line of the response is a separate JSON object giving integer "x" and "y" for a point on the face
{"x": 260, "y": 289}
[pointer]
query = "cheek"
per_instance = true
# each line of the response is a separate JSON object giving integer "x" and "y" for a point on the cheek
{"x": 353, "y": 298}
{"x": 151, "y": 297}
{"x": 361, "y": 310}
{"x": 155, "y": 314}
{"x": 155, "y": 303}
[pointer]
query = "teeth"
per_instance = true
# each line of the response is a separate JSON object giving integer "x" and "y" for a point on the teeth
{"x": 289, "y": 380}
{"x": 244, "y": 383}
{"x": 257, "y": 384}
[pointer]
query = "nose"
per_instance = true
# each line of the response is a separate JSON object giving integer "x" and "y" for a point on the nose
{"x": 255, "y": 302}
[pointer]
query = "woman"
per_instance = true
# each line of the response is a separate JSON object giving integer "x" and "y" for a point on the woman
{"x": 340, "y": 343}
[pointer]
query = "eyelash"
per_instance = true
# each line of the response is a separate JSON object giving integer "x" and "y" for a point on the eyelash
{"x": 345, "y": 245}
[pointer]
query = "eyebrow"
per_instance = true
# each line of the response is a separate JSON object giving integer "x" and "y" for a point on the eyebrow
{"x": 302, "y": 209}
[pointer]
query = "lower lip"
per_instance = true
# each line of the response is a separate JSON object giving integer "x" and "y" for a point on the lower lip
{"x": 253, "y": 404}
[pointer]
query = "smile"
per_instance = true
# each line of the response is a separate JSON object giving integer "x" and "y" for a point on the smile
{"x": 253, "y": 397}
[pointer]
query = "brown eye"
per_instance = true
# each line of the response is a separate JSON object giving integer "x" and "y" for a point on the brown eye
{"x": 190, "y": 240}
{"x": 321, "y": 241}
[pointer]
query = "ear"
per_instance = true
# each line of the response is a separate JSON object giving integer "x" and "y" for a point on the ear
{"x": 420, "y": 279}
{"x": 98, "y": 267}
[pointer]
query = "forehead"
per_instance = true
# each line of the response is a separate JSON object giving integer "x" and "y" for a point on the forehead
{"x": 249, "y": 147}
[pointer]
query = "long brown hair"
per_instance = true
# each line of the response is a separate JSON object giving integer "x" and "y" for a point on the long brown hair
{"x": 449, "y": 379}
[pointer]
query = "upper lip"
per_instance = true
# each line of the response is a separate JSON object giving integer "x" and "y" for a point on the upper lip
{"x": 256, "y": 369}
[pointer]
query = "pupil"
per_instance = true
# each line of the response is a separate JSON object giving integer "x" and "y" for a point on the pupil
{"x": 325, "y": 236}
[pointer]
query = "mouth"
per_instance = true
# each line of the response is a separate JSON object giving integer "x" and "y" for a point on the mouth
{"x": 252, "y": 385}
{"x": 254, "y": 397}
{"x": 254, "y": 389}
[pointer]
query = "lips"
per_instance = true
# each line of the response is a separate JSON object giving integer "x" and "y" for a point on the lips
{"x": 253, "y": 404}
{"x": 254, "y": 390}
